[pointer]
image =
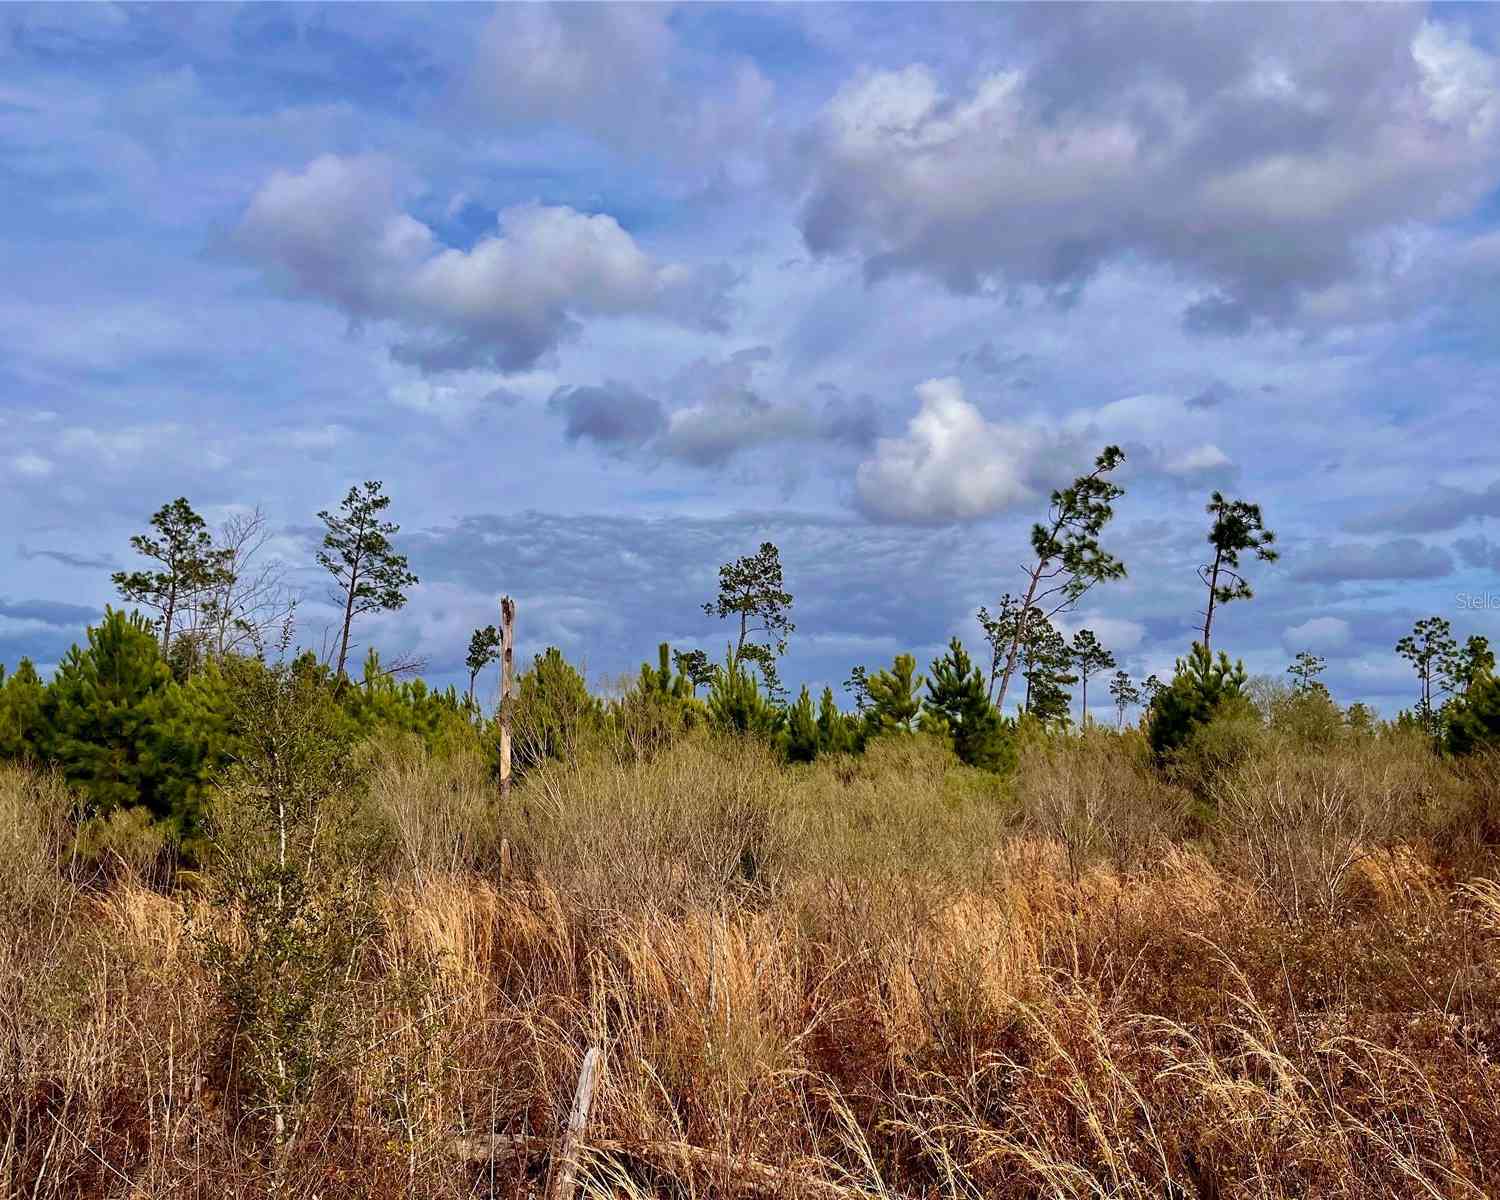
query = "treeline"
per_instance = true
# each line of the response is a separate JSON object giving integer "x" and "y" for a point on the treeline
{"x": 148, "y": 713}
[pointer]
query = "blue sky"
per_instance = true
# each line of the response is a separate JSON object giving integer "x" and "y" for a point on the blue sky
{"x": 609, "y": 295}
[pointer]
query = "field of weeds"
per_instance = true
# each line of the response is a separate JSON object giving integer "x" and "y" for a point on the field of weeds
{"x": 889, "y": 976}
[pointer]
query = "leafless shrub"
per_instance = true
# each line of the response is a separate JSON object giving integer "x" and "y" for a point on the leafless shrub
{"x": 1301, "y": 823}
{"x": 1097, "y": 798}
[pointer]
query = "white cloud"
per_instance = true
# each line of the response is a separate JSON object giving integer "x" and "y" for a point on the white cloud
{"x": 1197, "y": 461}
{"x": 1116, "y": 143}
{"x": 1115, "y": 634}
{"x": 334, "y": 232}
{"x": 623, "y": 74}
{"x": 1161, "y": 432}
{"x": 30, "y": 466}
{"x": 1459, "y": 80}
{"x": 952, "y": 464}
{"x": 112, "y": 446}
{"x": 1320, "y": 635}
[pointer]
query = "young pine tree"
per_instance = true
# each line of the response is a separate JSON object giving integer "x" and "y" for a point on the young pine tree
{"x": 888, "y": 701}
{"x": 837, "y": 731}
{"x": 1427, "y": 647}
{"x": 1200, "y": 687}
{"x": 1474, "y": 721}
{"x": 956, "y": 692}
{"x": 1069, "y": 559}
{"x": 660, "y": 682}
{"x": 104, "y": 714}
{"x": 1305, "y": 669}
{"x": 555, "y": 714}
{"x": 1237, "y": 528}
{"x": 21, "y": 698}
{"x": 736, "y": 703}
{"x": 1047, "y": 670}
{"x": 190, "y": 567}
{"x": 1125, "y": 694}
{"x": 800, "y": 741}
{"x": 1089, "y": 658}
{"x": 369, "y": 576}
{"x": 752, "y": 592}
{"x": 484, "y": 648}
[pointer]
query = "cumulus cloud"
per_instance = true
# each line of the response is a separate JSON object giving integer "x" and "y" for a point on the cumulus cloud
{"x": 1162, "y": 435}
{"x": 1401, "y": 558}
{"x": 1439, "y": 509}
{"x": 952, "y": 464}
{"x": 334, "y": 231}
{"x": 1241, "y": 152}
{"x": 1318, "y": 634}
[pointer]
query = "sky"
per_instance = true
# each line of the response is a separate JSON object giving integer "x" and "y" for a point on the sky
{"x": 607, "y": 296}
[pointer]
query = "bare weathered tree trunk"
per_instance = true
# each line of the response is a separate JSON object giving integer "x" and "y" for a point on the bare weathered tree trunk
{"x": 564, "y": 1181}
{"x": 507, "y": 686}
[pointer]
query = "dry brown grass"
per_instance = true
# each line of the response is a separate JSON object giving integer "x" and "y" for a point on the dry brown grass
{"x": 889, "y": 976}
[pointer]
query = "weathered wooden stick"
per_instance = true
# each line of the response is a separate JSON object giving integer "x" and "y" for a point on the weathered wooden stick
{"x": 507, "y": 687}
{"x": 744, "y": 1174}
{"x": 564, "y": 1180}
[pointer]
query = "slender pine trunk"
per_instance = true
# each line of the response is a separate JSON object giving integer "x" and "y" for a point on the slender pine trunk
{"x": 1023, "y": 618}
{"x": 1213, "y": 588}
{"x": 348, "y": 613}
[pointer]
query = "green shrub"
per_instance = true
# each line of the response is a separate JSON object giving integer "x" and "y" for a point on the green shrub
{"x": 124, "y": 733}
{"x": 555, "y": 716}
{"x": 1199, "y": 686}
{"x": 381, "y": 705}
{"x": 21, "y": 698}
{"x": 800, "y": 740}
{"x": 1474, "y": 719}
{"x": 287, "y": 872}
{"x": 956, "y": 692}
{"x": 737, "y": 705}
{"x": 1229, "y": 737}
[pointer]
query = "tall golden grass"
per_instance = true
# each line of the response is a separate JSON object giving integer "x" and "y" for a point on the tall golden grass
{"x": 889, "y": 976}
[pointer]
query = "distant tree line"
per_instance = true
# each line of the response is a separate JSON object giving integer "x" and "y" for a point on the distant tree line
{"x": 146, "y": 715}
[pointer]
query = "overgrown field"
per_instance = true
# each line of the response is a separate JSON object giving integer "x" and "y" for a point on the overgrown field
{"x": 890, "y": 975}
